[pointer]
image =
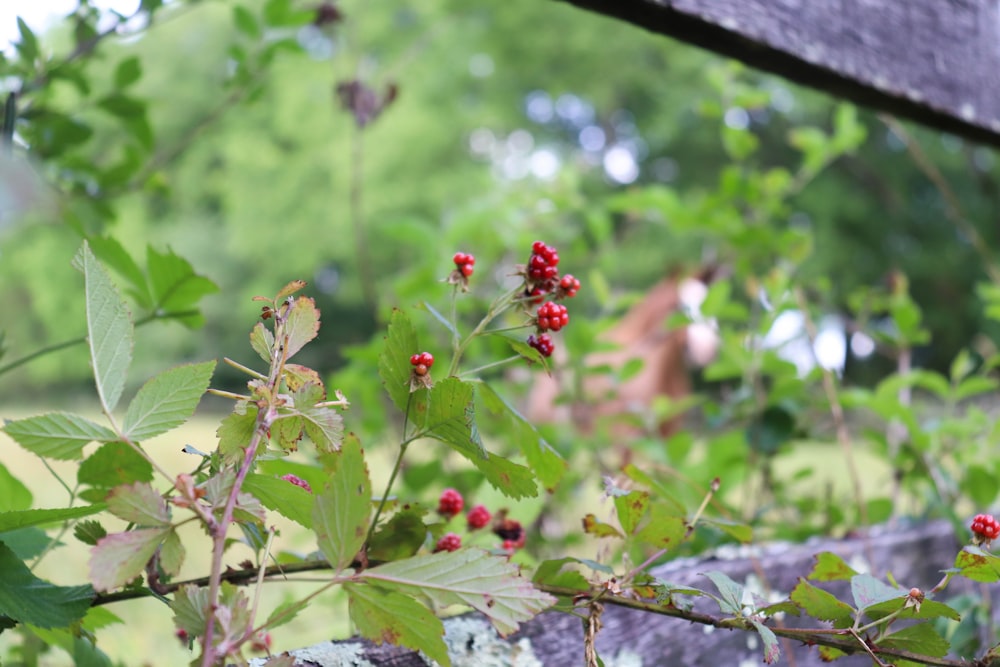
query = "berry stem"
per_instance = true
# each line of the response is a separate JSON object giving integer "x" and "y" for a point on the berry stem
{"x": 490, "y": 365}
{"x": 395, "y": 471}
{"x": 498, "y": 306}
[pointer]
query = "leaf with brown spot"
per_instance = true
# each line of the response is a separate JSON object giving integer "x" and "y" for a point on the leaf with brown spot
{"x": 382, "y": 615}
{"x": 341, "y": 512}
{"x": 592, "y": 526}
{"x": 302, "y": 324}
{"x": 290, "y": 289}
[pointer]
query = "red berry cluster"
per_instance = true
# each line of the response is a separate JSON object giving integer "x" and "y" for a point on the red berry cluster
{"x": 542, "y": 263}
{"x": 450, "y": 542}
{"x": 542, "y": 343}
{"x": 478, "y": 517}
{"x": 464, "y": 263}
{"x": 568, "y": 286}
{"x": 985, "y": 527}
{"x": 422, "y": 362}
{"x": 551, "y": 317}
{"x": 450, "y": 503}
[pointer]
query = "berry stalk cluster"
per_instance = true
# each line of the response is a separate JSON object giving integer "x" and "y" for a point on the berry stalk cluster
{"x": 542, "y": 281}
{"x": 451, "y": 503}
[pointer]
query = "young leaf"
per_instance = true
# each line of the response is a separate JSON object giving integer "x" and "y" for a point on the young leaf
{"x": 731, "y": 601}
{"x": 24, "y": 518}
{"x": 28, "y": 599}
{"x": 175, "y": 286}
{"x": 109, "y": 328}
{"x": 383, "y": 615}
{"x": 285, "y": 498}
{"x": 167, "y": 400}
{"x": 772, "y": 650}
{"x": 89, "y": 532}
{"x": 236, "y": 430}
{"x": 140, "y": 504}
{"x": 472, "y": 577}
{"x": 262, "y": 341}
{"x": 189, "y": 606}
{"x": 119, "y": 558}
{"x": 831, "y": 567}
{"x": 57, "y": 435}
{"x": 394, "y": 362}
{"x": 302, "y": 324}
{"x": 112, "y": 465}
{"x": 822, "y": 605}
{"x": 341, "y": 512}
{"x": 528, "y": 352}
{"x": 324, "y": 426}
{"x": 111, "y": 253}
{"x": 543, "y": 460}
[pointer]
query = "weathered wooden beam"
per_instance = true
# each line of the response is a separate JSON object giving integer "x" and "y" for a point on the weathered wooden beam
{"x": 933, "y": 61}
{"x": 914, "y": 554}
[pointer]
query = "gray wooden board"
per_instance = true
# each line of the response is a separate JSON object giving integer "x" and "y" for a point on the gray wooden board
{"x": 933, "y": 61}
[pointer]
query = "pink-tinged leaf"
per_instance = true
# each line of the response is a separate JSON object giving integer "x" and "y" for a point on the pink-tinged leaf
{"x": 473, "y": 577}
{"x": 385, "y": 616}
{"x": 323, "y": 425}
{"x": 302, "y": 324}
{"x": 119, "y": 558}
{"x": 297, "y": 376}
{"x": 140, "y": 504}
{"x": 772, "y": 650}
{"x": 290, "y": 289}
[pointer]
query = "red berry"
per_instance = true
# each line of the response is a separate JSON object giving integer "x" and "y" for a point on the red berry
{"x": 422, "y": 359}
{"x": 297, "y": 481}
{"x": 450, "y": 503}
{"x": 466, "y": 270}
{"x": 420, "y": 369}
{"x": 478, "y": 517}
{"x": 551, "y": 316}
{"x": 538, "y": 247}
{"x": 414, "y": 359}
{"x": 543, "y": 344}
{"x": 450, "y": 542}
{"x": 985, "y": 526}
{"x": 569, "y": 285}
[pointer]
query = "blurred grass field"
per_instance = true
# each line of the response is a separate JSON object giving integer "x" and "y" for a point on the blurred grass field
{"x": 147, "y": 639}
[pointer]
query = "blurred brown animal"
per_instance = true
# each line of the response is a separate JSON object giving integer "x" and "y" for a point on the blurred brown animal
{"x": 641, "y": 334}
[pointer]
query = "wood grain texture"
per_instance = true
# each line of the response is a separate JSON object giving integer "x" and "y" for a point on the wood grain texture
{"x": 914, "y": 555}
{"x": 933, "y": 61}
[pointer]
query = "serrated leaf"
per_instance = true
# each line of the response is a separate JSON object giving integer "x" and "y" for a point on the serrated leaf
{"x": 978, "y": 565}
{"x": 285, "y": 498}
{"x": 57, "y": 435}
{"x": 13, "y": 494}
{"x": 394, "y": 361}
{"x": 28, "y": 599}
{"x": 323, "y": 425}
{"x": 289, "y": 289}
{"x": 385, "y": 616}
{"x": 630, "y": 508}
{"x": 112, "y": 465}
{"x": 663, "y": 530}
{"x": 302, "y": 324}
{"x": 172, "y": 554}
{"x": 529, "y": 353}
{"x": 89, "y": 532}
{"x": 928, "y": 609}
{"x": 262, "y": 341}
{"x": 112, "y": 254}
{"x": 140, "y": 504}
{"x": 543, "y": 460}
{"x": 174, "y": 285}
{"x": 40, "y": 517}
{"x": 920, "y": 639}
{"x": 167, "y": 400}
{"x": 189, "y": 605}
{"x": 731, "y": 600}
{"x": 594, "y": 526}
{"x": 556, "y": 573}
{"x": 822, "y": 605}
{"x": 109, "y": 328}
{"x": 831, "y": 567}
{"x": 342, "y": 511}
{"x": 120, "y": 557}
{"x": 663, "y": 494}
{"x": 297, "y": 376}
{"x": 400, "y": 537}
{"x": 236, "y": 431}
{"x": 738, "y": 531}
{"x": 472, "y": 577}
{"x": 868, "y": 591}
{"x": 772, "y": 650}
{"x": 285, "y": 613}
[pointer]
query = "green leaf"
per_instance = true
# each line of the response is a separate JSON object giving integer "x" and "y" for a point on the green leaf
{"x": 731, "y": 601}
{"x": 738, "y": 531}
{"x": 39, "y": 517}
{"x": 89, "y": 532}
{"x": 556, "y": 573}
{"x": 302, "y": 324}
{"x": 140, "y": 504}
{"x": 928, "y": 609}
{"x": 119, "y": 558}
{"x": 57, "y": 435}
{"x": 27, "y": 543}
{"x": 262, "y": 341}
{"x": 394, "y": 361}
{"x": 663, "y": 530}
{"x": 175, "y": 286}
{"x": 594, "y": 526}
{"x": 400, "y": 537}
{"x": 323, "y": 425}
{"x": 172, "y": 553}
{"x": 342, "y": 511}
{"x": 385, "y": 616}
{"x": 128, "y": 72}
{"x": 831, "y": 567}
{"x": 921, "y": 639}
{"x": 27, "y": 45}
{"x": 191, "y": 602}
{"x": 868, "y": 591}
{"x": 167, "y": 400}
{"x": 543, "y": 460}
{"x": 978, "y": 565}
{"x": 286, "y": 612}
{"x": 122, "y": 106}
{"x": 13, "y": 494}
{"x": 822, "y": 605}
{"x": 631, "y": 507}
{"x": 489, "y": 584}
{"x": 245, "y": 22}
{"x": 236, "y": 431}
{"x": 109, "y": 328}
{"x": 111, "y": 253}
{"x": 531, "y": 354}
{"x": 772, "y": 650}
{"x": 112, "y": 465}
{"x": 28, "y": 599}
{"x": 285, "y": 498}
